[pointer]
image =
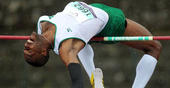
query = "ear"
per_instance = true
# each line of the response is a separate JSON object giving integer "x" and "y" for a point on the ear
{"x": 44, "y": 52}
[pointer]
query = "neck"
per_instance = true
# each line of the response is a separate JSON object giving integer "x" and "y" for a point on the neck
{"x": 48, "y": 32}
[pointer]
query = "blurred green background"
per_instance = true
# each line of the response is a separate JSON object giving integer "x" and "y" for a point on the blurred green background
{"x": 19, "y": 17}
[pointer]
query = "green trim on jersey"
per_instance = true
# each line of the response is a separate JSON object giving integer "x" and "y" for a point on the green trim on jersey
{"x": 55, "y": 36}
{"x": 116, "y": 23}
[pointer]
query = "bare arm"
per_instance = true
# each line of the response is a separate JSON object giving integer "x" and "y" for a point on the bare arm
{"x": 69, "y": 50}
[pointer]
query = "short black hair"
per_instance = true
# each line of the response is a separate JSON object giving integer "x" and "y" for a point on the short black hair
{"x": 38, "y": 63}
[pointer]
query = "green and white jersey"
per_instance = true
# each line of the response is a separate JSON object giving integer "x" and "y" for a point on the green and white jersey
{"x": 77, "y": 21}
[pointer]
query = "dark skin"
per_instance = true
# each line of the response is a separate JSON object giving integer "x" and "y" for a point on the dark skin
{"x": 70, "y": 48}
{"x": 152, "y": 48}
{"x": 34, "y": 49}
{"x": 38, "y": 46}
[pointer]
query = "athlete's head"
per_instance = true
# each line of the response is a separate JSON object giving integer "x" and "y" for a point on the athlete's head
{"x": 36, "y": 51}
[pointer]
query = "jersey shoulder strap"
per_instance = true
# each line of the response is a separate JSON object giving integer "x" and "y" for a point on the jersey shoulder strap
{"x": 41, "y": 19}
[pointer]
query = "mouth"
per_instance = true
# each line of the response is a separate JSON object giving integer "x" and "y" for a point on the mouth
{"x": 26, "y": 52}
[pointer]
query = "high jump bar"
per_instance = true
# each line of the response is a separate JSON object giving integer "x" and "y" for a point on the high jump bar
{"x": 115, "y": 38}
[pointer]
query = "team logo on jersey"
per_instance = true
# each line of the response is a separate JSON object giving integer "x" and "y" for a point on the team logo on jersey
{"x": 69, "y": 30}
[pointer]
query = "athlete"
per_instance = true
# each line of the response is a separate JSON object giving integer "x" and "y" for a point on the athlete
{"x": 68, "y": 32}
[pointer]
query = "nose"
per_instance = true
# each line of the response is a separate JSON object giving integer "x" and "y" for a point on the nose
{"x": 26, "y": 46}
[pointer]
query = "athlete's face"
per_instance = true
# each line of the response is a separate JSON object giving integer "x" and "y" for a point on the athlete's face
{"x": 33, "y": 49}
